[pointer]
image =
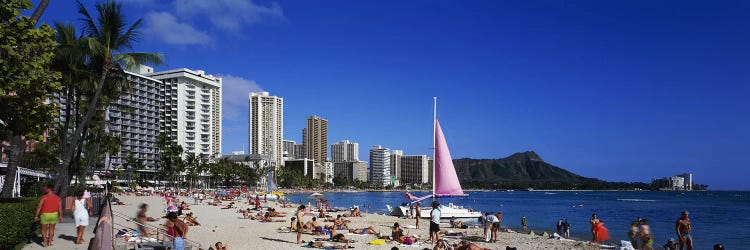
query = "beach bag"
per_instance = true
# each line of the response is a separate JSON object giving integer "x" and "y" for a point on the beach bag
{"x": 377, "y": 242}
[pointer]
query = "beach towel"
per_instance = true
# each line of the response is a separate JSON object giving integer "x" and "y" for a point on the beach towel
{"x": 377, "y": 242}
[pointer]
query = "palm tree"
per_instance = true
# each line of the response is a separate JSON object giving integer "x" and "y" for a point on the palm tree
{"x": 108, "y": 37}
{"x": 39, "y": 11}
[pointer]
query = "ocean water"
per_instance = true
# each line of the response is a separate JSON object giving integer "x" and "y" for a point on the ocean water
{"x": 716, "y": 216}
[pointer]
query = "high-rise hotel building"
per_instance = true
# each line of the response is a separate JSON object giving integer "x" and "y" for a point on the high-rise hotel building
{"x": 344, "y": 151}
{"x": 134, "y": 117}
{"x": 266, "y": 127}
{"x": 380, "y": 166}
{"x": 192, "y": 110}
{"x": 315, "y": 139}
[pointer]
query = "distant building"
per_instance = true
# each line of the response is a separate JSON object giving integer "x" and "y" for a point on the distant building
{"x": 315, "y": 139}
{"x": 430, "y": 168}
{"x": 292, "y": 150}
{"x": 414, "y": 170}
{"x": 688, "y": 181}
{"x": 266, "y": 126}
{"x": 380, "y": 166}
{"x": 306, "y": 166}
{"x": 350, "y": 171}
{"x": 345, "y": 151}
{"x": 325, "y": 172}
{"x": 677, "y": 182}
{"x": 396, "y": 167}
{"x": 192, "y": 109}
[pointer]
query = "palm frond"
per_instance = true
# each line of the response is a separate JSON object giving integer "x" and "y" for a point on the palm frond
{"x": 130, "y": 61}
{"x": 111, "y": 22}
{"x": 89, "y": 26}
{"x": 131, "y": 36}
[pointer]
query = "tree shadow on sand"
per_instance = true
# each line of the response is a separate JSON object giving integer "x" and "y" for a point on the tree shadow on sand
{"x": 278, "y": 240}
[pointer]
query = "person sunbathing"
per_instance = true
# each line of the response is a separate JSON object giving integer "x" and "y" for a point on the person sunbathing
{"x": 363, "y": 231}
{"x": 442, "y": 245}
{"x": 267, "y": 218}
{"x": 293, "y": 226}
{"x": 354, "y": 213}
{"x": 275, "y": 213}
{"x": 321, "y": 213}
{"x": 326, "y": 245}
{"x": 465, "y": 245}
{"x": 398, "y": 235}
{"x": 230, "y": 206}
{"x": 340, "y": 238}
{"x": 190, "y": 220}
{"x": 457, "y": 223}
{"x": 311, "y": 225}
{"x": 220, "y": 246}
{"x": 339, "y": 223}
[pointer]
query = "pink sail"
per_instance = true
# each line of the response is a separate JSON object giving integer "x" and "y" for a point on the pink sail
{"x": 446, "y": 181}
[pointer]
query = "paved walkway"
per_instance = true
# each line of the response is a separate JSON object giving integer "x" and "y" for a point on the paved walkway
{"x": 65, "y": 236}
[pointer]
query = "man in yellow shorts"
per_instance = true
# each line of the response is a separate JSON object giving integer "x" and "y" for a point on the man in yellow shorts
{"x": 49, "y": 211}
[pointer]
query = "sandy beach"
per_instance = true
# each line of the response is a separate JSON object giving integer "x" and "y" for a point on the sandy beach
{"x": 228, "y": 226}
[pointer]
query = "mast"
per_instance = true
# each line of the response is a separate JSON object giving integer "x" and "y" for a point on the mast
{"x": 434, "y": 124}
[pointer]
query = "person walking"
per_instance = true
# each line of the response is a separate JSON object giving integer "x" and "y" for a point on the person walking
{"x": 684, "y": 231}
{"x": 435, "y": 222}
{"x": 524, "y": 223}
{"x": 49, "y": 211}
{"x": 179, "y": 230}
{"x": 81, "y": 213}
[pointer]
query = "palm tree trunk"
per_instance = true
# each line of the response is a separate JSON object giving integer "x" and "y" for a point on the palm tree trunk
{"x": 39, "y": 11}
{"x": 63, "y": 177}
{"x": 16, "y": 153}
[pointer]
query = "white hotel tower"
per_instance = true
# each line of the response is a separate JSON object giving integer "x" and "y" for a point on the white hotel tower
{"x": 344, "y": 151}
{"x": 192, "y": 110}
{"x": 266, "y": 126}
{"x": 380, "y": 166}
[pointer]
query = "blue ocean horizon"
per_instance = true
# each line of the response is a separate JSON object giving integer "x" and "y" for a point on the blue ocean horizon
{"x": 716, "y": 216}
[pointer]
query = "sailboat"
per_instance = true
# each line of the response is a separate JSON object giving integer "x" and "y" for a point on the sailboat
{"x": 445, "y": 181}
{"x": 272, "y": 192}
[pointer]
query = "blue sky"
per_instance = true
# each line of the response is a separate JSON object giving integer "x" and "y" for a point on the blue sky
{"x": 616, "y": 90}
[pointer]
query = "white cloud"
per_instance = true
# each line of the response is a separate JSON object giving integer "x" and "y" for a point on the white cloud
{"x": 229, "y": 14}
{"x": 235, "y": 91}
{"x": 168, "y": 29}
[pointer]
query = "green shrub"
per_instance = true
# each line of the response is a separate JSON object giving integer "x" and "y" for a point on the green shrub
{"x": 17, "y": 221}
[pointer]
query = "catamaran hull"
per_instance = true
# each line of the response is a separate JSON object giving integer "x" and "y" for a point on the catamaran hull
{"x": 446, "y": 212}
{"x": 270, "y": 197}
